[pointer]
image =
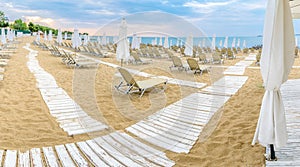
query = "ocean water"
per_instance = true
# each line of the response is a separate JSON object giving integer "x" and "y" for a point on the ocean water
{"x": 197, "y": 41}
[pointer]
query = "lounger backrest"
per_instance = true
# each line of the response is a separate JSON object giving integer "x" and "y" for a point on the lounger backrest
{"x": 177, "y": 61}
{"x": 127, "y": 77}
{"x": 135, "y": 56}
{"x": 216, "y": 56}
{"x": 193, "y": 64}
{"x": 202, "y": 57}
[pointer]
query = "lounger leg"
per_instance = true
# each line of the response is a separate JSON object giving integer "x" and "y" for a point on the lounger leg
{"x": 118, "y": 86}
{"x": 143, "y": 91}
{"x": 128, "y": 90}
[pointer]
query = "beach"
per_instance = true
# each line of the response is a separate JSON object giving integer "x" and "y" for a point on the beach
{"x": 225, "y": 141}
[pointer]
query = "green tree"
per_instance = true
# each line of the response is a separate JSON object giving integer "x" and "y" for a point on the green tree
{"x": 3, "y": 20}
{"x": 20, "y": 25}
{"x": 31, "y": 27}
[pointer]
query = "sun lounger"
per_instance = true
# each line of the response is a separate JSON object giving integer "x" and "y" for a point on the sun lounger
{"x": 138, "y": 60}
{"x": 193, "y": 65}
{"x": 177, "y": 63}
{"x": 140, "y": 86}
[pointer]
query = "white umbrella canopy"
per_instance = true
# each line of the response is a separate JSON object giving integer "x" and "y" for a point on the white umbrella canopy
{"x": 276, "y": 62}
{"x": 122, "y": 45}
{"x": 10, "y": 35}
{"x": 45, "y": 36}
{"x": 226, "y": 42}
{"x": 3, "y": 36}
{"x": 244, "y": 44}
{"x": 221, "y": 43}
{"x": 85, "y": 40}
{"x": 295, "y": 8}
{"x": 238, "y": 43}
{"x": 166, "y": 42}
{"x": 213, "y": 42}
{"x": 66, "y": 35}
{"x": 59, "y": 37}
{"x": 50, "y": 35}
{"x": 233, "y": 43}
{"x": 104, "y": 39}
{"x": 177, "y": 42}
{"x": 76, "y": 41}
{"x": 38, "y": 37}
{"x": 188, "y": 51}
{"x": 203, "y": 42}
{"x": 160, "y": 41}
{"x": 135, "y": 42}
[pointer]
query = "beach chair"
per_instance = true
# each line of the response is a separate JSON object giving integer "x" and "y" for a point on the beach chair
{"x": 138, "y": 86}
{"x": 193, "y": 65}
{"x": 202, "y": 58}
{"x": 138, "y": 60}
{"x": 217, "y": 58}
{"x": 177, "y": 63}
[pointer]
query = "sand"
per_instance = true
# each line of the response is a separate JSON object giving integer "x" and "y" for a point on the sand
{"x": 26, "y": 122}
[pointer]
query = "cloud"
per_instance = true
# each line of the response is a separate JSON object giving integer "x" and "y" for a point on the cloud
{"x": 206, "y": 7}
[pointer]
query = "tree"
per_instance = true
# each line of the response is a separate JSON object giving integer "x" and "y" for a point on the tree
{"x": 3, "y": 20}
{"x": 19, "y": 25}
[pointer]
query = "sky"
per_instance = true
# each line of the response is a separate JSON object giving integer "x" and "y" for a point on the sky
{"x": 220, "y": 17}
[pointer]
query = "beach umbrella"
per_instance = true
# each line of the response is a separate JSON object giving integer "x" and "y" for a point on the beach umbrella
{"x": 276, "y": 62}
{"x": 85, "y": 40}
{"x": 233, "y": 43}
{"x": 66, "y": 35}
{"x": 50, "y": 35}
{"x": 3, "y": 37}
{"x": 38, "y": 36}
{"x": 177, "y": 42}
{"x": 166, "y": 42}
{"x": 45, "y": 36}
{"x": 213, "y": 42}
{"x": 99, "y": 40}
{"x": 135, "y": 42}
{"x": 104, "y": 39}
{"x": 155, "y": 41}
{"x": 160, "y": 41}
{"x": 10, "y": 36}
{"x": 76, "y": 41}
{"x": 203, "y": 42}
{"x": 188, "y": 50}
{"x": 244, "y": 44}
{"x": 199, "y": 44}
{"x": 226, "y": 42}
{"x": 122, "y": 45}
{"x": 221, "y": 43}
{"x": 139, "y": 41}
{"x": 238, "y": 43}
{"x": 59, "y": 37}
{"x": 171, "y": 43}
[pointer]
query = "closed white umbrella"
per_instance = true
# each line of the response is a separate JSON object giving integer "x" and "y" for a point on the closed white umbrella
{"x": 276, "y": 62}
{"x": 233, "y": 43}
{"x": 50, "y": 35}
{"x": 3, "y": 37}
{"x": 134, "y": 43}
{"x": 99, "y": 40}
{"x": 244, "y": 44}
{"x": 59, "y": 37}
{"x": 166, "y": 42}
{"x": 155, "y": 41}
{"x": 221, "y": 43}
{"x": 45, "y": 36}
{"x": 177, "y": 42}
{"x": 10, "y": 36}
{"x": 188, "y": 50}
{"x": 85, "y": 40}
{"x": 238, "y": 43}
{"x": 226, "y": 42}
{"x": 203, "y": 42}
{"x": 160, "y": 41}
{"x": 104, "y": 39}
{"x": 76, "y": 41}
{"x": 122, "y": 45}
{"x": 66, "y": 35}
{"x": 139, "y": 41}
{"x": 213, "y": 42}
{"x": 38, "y": 36}
{"x": 171, "y": 43}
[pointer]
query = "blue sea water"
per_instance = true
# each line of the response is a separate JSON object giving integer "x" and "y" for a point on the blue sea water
{"x": 206, "y": 41}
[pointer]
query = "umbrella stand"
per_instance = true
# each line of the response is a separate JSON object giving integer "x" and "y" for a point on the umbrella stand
{"x": 272, "y": 151}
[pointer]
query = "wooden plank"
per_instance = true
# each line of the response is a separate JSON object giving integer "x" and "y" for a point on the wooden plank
{"x": 35, "y": 157}
{"x": 116, "y": 153}
{"x": 24, "y": 159}
{"x": 126, "y": 151}
{"x": 91, "y": 155}
{"x": 156, "y": 158}
{"x": 103, "y": 154}
{"x": 10, "y": 158}
{"x": 76, "y": 156}
{"x": 63, "y": 156}
{"x": 50, "y": 157}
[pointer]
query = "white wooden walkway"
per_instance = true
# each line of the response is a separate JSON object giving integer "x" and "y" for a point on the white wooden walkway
{"x": 68, "y": 113}
{"x": 239, "y": 68}
{"x": 116, "y": 149}
{"x": 290, "y": 154}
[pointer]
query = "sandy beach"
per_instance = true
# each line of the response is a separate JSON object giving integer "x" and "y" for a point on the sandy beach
{"x": 225, "y": 141}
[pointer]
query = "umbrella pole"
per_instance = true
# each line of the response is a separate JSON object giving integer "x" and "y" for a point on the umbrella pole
{"x": 121, "y": 62}
{"x": 272, "y": 151}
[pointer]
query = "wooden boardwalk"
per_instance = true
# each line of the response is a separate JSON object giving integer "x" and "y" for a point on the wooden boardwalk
{"x": 116, "y": 149}
{"x": 239, "y": 68}
{"x": 68, "y": 113}
{"x": 290, "y": 154}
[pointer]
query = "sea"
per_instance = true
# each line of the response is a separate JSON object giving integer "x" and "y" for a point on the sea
{"x": 235, "y": 41}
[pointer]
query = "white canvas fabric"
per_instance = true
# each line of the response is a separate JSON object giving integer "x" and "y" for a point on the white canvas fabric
{"x": 226, "y": 42}
{"x": 166, "y": 42}
{"x": 276, "y": 62}
{"x": 188, "y": 51}
{"x": 3, "y": 37}
{"x": 213, "y": 42}
{"x": 59, "y": 36}
{"x": 122, "y": 45}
